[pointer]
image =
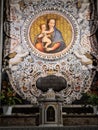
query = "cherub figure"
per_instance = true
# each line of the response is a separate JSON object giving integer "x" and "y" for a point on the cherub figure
{"x": 45, "y": 35}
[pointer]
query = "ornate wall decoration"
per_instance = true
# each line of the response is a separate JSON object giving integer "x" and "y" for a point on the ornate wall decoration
{"x": 69, "y": 30}
{"x": 28, "y": 56}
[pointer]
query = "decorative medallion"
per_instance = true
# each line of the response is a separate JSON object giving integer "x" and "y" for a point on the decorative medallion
{"x": 65, "y": 33}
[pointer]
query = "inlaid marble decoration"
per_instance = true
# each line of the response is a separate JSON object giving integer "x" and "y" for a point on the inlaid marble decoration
{"x": 50, "y": 41}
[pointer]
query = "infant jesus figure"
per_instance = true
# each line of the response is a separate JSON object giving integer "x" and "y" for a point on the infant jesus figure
{"x": 45, "y": 35}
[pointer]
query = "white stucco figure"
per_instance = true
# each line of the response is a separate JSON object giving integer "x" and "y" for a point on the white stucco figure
{"x": 84, "y": 60}
{"x": 18, "y": 57}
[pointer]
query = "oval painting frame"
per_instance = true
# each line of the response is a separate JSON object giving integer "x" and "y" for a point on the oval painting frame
{"x": 65, "y": 23}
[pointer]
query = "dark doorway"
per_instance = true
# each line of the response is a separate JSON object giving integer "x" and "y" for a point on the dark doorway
{"x": 50, "y": 114}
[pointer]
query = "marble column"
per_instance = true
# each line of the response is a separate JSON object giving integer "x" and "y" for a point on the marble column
{"x": 1, "y": 36}
{"x": 97, "y": 7}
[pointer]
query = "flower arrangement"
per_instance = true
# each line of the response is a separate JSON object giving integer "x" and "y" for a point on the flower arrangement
{"x": 91, "y": 98}
{"x": 8, "y": 95}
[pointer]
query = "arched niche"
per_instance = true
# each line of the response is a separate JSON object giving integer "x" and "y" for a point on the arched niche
{"x": 50, "y": 114}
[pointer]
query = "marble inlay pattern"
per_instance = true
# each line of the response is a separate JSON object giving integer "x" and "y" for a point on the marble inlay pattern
{"x": 27, "y": 63}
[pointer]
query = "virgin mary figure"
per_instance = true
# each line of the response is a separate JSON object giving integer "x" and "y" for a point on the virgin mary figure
{"x": 57, "y": 41}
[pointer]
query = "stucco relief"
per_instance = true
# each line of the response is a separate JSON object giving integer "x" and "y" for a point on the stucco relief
{"x": 26, "y": 63}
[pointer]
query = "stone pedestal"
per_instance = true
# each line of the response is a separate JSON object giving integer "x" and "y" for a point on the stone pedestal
{"x": 50, "y": 110}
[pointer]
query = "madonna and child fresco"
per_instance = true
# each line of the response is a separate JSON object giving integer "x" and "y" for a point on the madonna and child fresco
{"x": 50, "y": 39}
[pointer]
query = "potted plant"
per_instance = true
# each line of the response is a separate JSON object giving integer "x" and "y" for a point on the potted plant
{"x": 91, "y": 99}
{"x": 8, "y": 99}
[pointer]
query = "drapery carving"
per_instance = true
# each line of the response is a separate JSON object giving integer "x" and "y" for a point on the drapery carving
{"x": 24, "y": 63}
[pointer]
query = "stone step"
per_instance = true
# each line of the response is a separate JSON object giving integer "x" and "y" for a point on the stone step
{"x": 51, "y": 128}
